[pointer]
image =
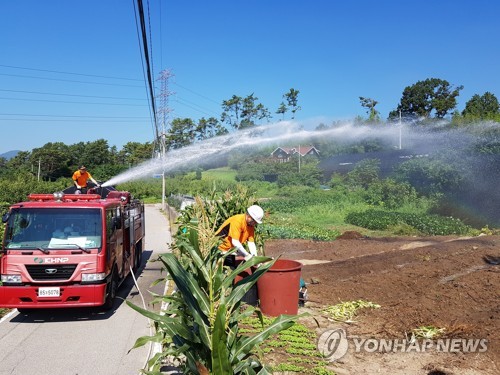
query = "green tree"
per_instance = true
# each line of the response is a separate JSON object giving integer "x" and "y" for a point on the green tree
{"x": 282, "y": 110}
{"x": 232, "y": 111}
{"x": 208, "y": 128}
{"x": 426, "y": 97}
{"x": 252, "y": 112}
{"x": 292, "y": 98}
{"x": 53, "y": 160}
{"x": 133, "y": 153}
{"x": 369, "y": 104}
{"x": 90, "y": 153}
{"x": 241, "y": 113}
{"x": 97, "y": 153}
{"x": 482, "y": 107}
{"x": 181, "y": 134}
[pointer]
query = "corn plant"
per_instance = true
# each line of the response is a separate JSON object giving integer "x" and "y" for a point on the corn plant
{"x": 200, "y": 326}
{"x": 428, "y": 332}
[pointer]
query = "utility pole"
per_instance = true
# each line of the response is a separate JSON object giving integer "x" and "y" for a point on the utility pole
{"x": 400, "y": 126}
{"x": 163, "y": 118}
{"x": 39, "y": 167}
{"x": 299, "y": 158}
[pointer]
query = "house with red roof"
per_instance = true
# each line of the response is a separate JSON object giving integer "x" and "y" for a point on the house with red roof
{"x": 283, "y": 154}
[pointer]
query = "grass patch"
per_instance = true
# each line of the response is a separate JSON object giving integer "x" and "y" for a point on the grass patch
{"x": 224, "y": 174}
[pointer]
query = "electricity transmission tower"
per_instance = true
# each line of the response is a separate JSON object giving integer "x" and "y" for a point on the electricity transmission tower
{"x": 162, "y": 118}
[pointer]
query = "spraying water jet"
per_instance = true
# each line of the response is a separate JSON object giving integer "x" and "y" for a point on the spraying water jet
{"x": 252, "y": 138}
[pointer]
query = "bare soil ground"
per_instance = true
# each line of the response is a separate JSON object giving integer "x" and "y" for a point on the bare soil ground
{"x": 446, "y": 282}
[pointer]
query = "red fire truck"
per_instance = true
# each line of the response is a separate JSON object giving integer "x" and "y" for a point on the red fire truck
{"x": 69, "y": 250}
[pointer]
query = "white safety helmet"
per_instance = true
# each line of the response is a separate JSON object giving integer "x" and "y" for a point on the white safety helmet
{"x": 256, "y": 213}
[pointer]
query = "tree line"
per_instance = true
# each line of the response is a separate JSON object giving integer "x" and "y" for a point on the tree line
{"x": 435, "y": 98}
{"x": 424, "y": 101}
{"x": 56, "y": 160}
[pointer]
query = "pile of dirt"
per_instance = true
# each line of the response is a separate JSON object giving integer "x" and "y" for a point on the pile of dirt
{"x": 444, "y": 282}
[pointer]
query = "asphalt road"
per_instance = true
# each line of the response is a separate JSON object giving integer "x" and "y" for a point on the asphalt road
{"x": 88, "y": 341}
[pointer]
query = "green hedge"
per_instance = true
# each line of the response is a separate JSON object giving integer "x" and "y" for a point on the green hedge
{"x": 297, "y": 231}
{"x": 426, "y": 224}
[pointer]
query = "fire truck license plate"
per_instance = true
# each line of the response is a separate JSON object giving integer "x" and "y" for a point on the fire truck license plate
{"x": 49, "y": 292}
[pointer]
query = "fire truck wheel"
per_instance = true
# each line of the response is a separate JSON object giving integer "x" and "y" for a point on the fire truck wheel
{"x": 112, "y": 288}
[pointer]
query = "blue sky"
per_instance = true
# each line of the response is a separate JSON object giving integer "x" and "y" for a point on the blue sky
{"x": 58, "y": 59}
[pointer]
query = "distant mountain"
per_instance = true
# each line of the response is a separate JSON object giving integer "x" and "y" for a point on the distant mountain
{"x": 9, "y": 154}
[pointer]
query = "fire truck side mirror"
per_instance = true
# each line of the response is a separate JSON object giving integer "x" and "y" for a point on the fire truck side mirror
{"x": 117, "y": 223}
{"x": 5, "y": 217}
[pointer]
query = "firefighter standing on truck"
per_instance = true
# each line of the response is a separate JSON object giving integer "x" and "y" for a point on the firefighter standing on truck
{"x": 240, "y": 229}
{"x": 80, "y": 178}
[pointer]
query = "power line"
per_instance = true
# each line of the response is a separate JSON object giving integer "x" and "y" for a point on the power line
{"x": 70, "y": 102}
{"x": 199, "y": 109}
{"x": 67, "y": 80}
{"x": 45, "y": 115}
{"x": 66, "y": 120}
{"x": 148, "y": 63}
{"x": 91, "y": 82}
{"x": 151, "y": 115}
{"x": 77, "y": 95}
{"x": 70, "y": 73}
{"x": 200, "y": 95}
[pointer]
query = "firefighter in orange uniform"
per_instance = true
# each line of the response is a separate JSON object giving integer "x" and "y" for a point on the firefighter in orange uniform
{"x": 238, "y": 230}
{"x": 80, "y": 178}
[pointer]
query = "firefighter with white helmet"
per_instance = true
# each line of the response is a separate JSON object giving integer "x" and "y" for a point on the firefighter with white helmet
{"x": 238, "y": 230}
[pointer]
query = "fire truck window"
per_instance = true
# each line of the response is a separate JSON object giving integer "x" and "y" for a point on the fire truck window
{"x": 109, "y": 224}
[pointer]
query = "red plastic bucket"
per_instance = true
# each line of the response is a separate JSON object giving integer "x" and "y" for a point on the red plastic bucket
{"x": 279, "y": 288}
{"x": 250, "y": 297}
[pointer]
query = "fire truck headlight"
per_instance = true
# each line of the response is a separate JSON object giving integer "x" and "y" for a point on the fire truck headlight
{"x": 11, "y": 279}
{"x": 93, "y": 277}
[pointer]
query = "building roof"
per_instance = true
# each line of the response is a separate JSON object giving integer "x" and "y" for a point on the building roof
{"x": 302, "y": 150}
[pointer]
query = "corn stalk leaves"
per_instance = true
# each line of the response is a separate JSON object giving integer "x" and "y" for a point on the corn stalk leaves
{"x": 264, "y": 371}
{"x": 174, "y": 326}
{"x": 244, "y": 285}
{"x": 187, "y": 285}
{"x": 193, "y": 295}
{"x": 220, "y": 354}
{"x": 155, "y": 364}
{"x": 194, "y": 254}
{"x": 141, "y": 341}
{"x": 247, "y": 367}
{"x": 265, "y": 264}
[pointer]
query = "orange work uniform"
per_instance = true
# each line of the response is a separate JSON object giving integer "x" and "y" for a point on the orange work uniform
{"x": 235, "y": 227}
{"x": 81, "y": 178}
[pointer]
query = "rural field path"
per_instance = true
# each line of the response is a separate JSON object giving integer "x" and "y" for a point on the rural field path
{"x": 88, "y": 341}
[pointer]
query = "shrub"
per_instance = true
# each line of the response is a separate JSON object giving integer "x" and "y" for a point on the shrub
{"x": 364, "y": 173}
{"x": 429, "y": 176}
{"x": 390, "y": 194}
{"x": 297, "y": 231}
{"x": 425, "y": 224}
